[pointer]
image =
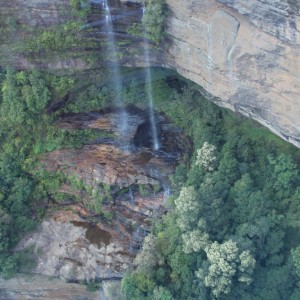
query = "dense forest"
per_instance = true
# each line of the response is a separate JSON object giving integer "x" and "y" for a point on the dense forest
{"x": 232, "y": 226}
{"x": 26, "y": 130}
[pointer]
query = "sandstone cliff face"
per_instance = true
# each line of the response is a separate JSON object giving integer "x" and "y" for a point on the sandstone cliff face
{"x": 244, "y": 53}
{"x": 276, "y": 17}
{"x": 67, "y": 244}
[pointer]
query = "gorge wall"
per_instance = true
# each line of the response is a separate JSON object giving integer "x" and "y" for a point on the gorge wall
{"x": 244, "y": 54}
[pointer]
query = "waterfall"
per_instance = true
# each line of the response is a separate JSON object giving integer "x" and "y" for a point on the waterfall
{"x": 131, "y": 195}
{"x": 167, "y": 192}
{"x": 155, "y": 141}
{"x": 117, "y": 82}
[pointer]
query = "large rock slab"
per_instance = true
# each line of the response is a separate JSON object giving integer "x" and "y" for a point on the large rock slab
{"x": 245, "y": 54}
{"x": 126, "y": 160}
{"x": 109, "y": 164}
{"x": 72, "y": 249}
{"x": 67, "y": 246}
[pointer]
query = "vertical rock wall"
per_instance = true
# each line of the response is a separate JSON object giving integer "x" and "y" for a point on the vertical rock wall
{"x": 244, "y": 53}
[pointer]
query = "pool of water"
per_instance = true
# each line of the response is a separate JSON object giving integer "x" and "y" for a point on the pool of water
{"x": 94, "y": 234}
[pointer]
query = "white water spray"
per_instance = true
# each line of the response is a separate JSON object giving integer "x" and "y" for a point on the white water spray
{"x": 155, "y": 141}
{"x": 117, "y": 82}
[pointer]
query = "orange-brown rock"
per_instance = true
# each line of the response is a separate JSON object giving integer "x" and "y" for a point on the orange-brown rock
{"x": 107, "y": 120}
{"x": 108, "y": 163}
{"x": 124, "y": 161}
{"x": 68, "y": 246}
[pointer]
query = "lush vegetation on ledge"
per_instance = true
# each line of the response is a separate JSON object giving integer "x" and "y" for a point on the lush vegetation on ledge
{"x": 153, "y": 22}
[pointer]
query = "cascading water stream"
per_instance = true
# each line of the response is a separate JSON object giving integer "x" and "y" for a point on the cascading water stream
{"x": 115, "y": 67}
{"x": 155, "y": 141}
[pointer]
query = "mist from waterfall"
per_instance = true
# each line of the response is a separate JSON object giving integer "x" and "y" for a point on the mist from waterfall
{"x": 115, "y": 68}
{"x": 155, "y": 141}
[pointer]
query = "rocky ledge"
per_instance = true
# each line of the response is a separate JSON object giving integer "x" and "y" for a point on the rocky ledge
{"x": 68, "y": 246}
{"x": 245, "y": 54}
{"x": 124, "y": 161}
{"x": 75, "y": 243}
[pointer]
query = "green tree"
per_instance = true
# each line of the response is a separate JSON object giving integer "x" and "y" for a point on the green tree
{"x": 187, "y": 208}
{"x": 296, "y": 259}
{"x": 225, "y": 262}
{"x": 154, "y": 19}
{"x": 161, "y": 293}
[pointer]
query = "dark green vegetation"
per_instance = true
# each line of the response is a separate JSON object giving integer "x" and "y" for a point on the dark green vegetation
{"x": 27, "y": 130}
{"x": 232, "y": 230}
{"x": 49, "y": 44}
{"x": 153, "y": 22}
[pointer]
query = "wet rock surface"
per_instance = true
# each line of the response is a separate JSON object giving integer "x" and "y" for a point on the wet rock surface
{"x": 75, "y": 243}
{"x": 107, "y": 120}
{"x": 124, "y": 161}
{"x": 70, "y": 247}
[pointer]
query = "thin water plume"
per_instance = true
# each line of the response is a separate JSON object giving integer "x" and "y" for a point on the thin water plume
{"x": 115, "y": 68}
{"x": 155, "y": 140}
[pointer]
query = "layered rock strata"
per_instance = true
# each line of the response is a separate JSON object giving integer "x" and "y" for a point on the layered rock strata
{"x": 67, "y": 244}
{"x": 245, "y": 54}
{"x": 123, "y": 161}
{"x": 69, "y": 247}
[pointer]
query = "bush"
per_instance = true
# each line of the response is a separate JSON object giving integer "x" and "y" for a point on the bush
{"x": 154, "y": 20}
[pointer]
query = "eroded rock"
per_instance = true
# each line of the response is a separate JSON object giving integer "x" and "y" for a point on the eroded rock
{"x": 69, "y": 247}
{"x": 42, "y": 287}
{"x": 107, "y": 120}
{"x": 126, "y": 161}
{"x": 241, "y": 54}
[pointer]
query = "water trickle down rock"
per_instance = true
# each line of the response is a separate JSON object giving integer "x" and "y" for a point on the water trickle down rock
{"x": 73, "y": 249}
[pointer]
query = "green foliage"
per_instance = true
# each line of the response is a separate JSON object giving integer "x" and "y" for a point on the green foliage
{"x": 93, "y": 286}
{"x": 135, "y": 29}
{"x": 99, "y": 97}
{"x": 229, "y": 232}
{"x": 56, "y": 39}
{"x": 80, "y": 8}
{"x": 154, "y": 20}
{"x": 27, "y": 131}
{"x": 232, "y": 228}
{"x": 296, "y": 259}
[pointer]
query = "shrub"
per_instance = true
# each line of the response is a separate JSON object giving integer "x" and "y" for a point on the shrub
{"x": 154, "y": 20}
